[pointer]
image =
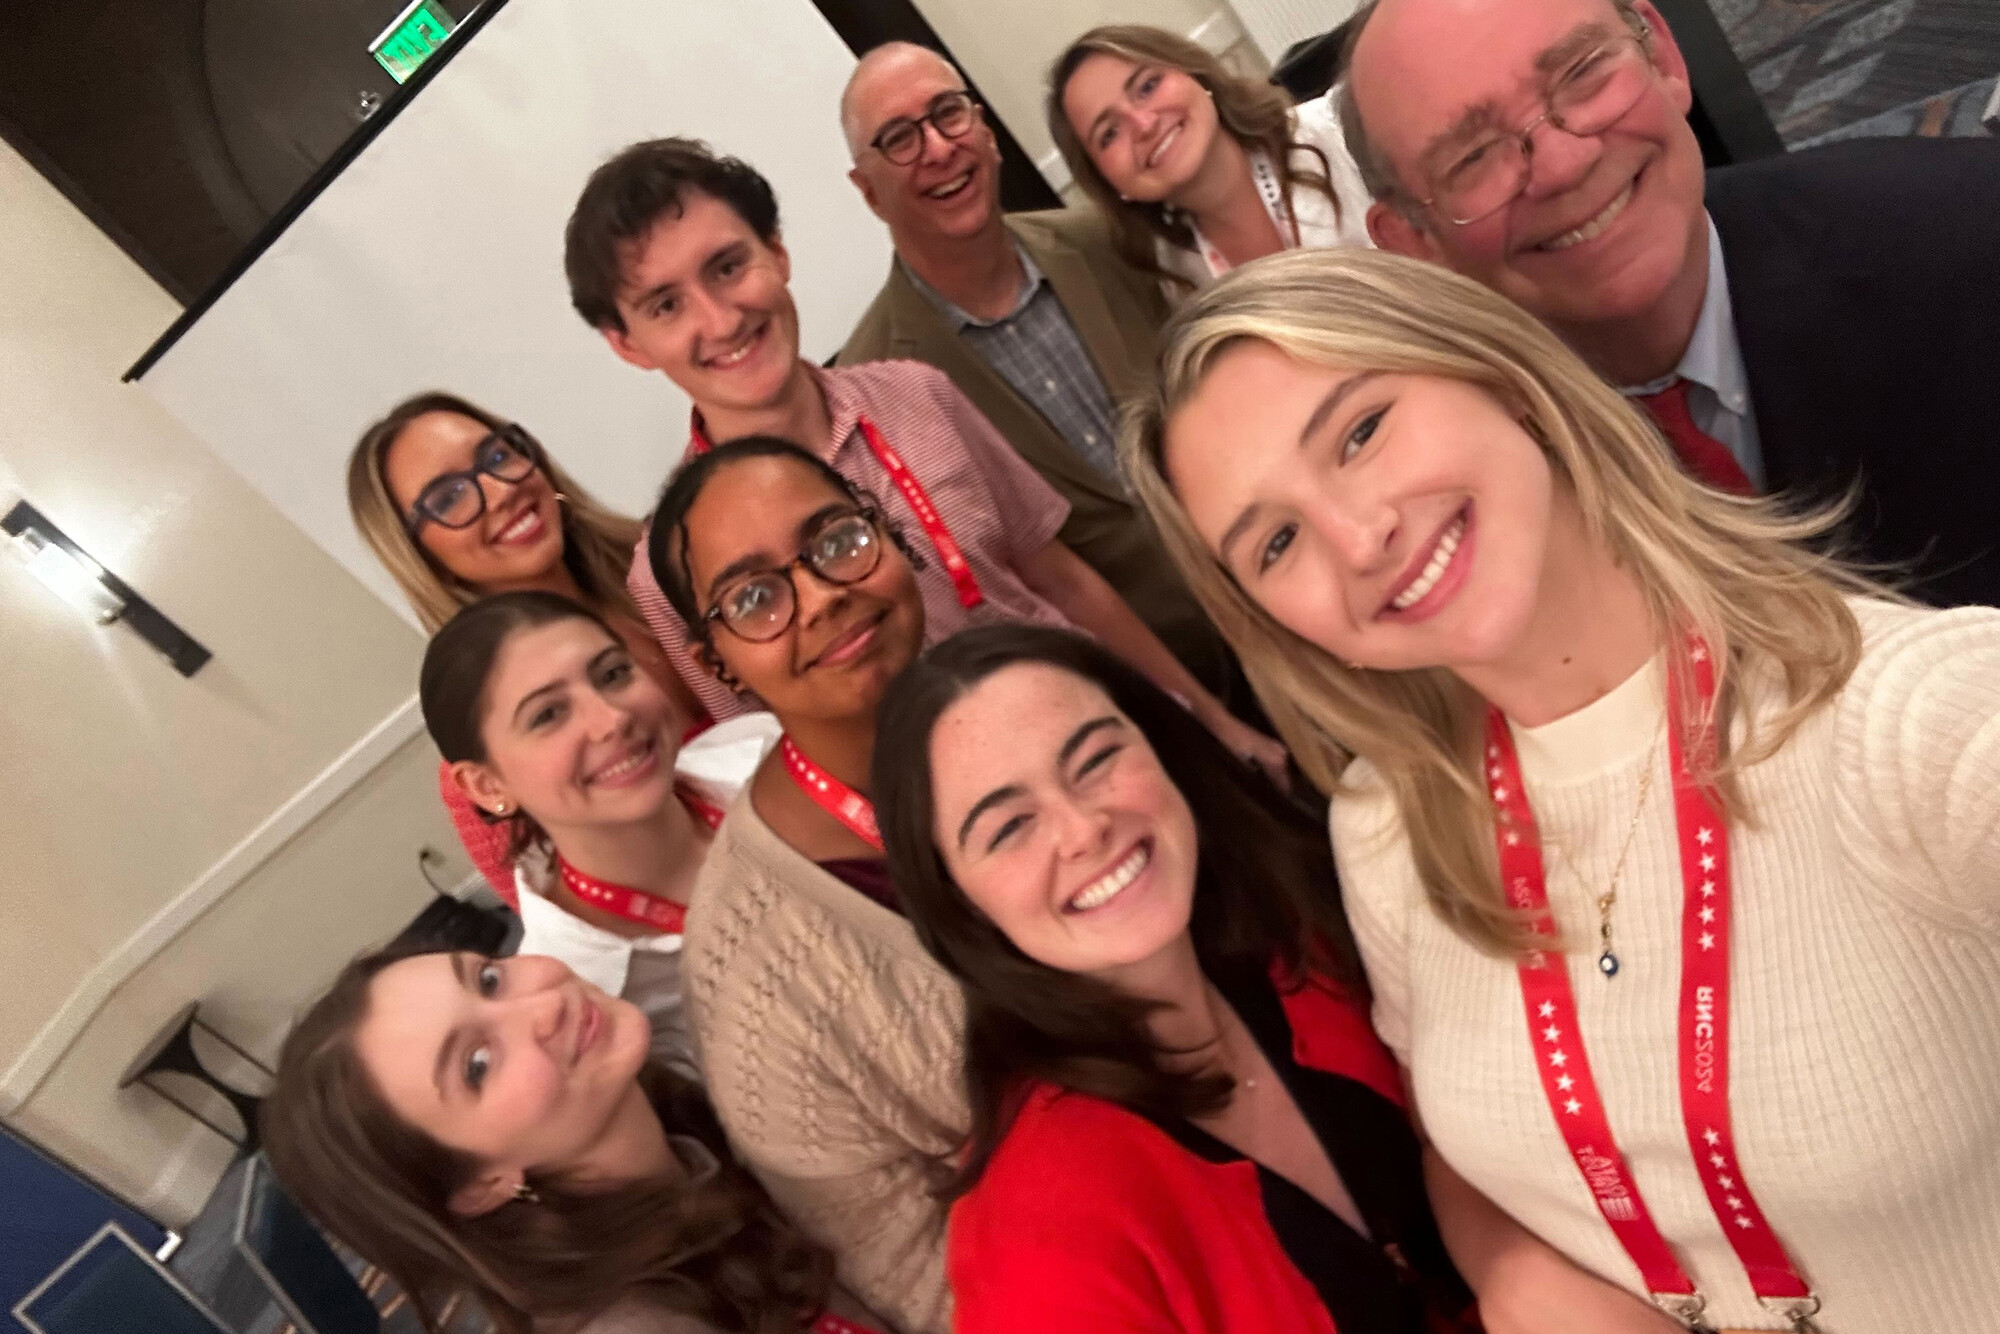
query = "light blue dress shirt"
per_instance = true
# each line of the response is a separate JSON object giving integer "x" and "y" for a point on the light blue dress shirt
{"x": 1718, "y": 384}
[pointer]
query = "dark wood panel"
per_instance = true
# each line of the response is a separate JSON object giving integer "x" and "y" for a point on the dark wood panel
{"x": 182, "y": 126}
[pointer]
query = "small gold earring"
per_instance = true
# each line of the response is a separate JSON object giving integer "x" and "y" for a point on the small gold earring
{"x": 526, "y": 1193}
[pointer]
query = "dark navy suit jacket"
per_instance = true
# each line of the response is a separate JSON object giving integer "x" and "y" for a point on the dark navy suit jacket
{"x": 1865, "y": 282}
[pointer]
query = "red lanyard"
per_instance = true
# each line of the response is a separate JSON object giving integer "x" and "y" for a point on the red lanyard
{"x": 830, "y": 1323}
{"x": 700, "y": 807}
{"x": 913, "y": 491}
{"x": 636, "y": 905}
{"x": 831, "y": 795}
{"x": 1704, "y": 1032}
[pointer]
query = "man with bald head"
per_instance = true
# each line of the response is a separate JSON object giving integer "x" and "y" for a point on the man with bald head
{"x": 1033, "y": 316}
{"x": 1798, "y": 323}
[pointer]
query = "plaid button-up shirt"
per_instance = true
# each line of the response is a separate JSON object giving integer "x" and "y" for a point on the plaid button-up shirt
{"x": 1035, "y": 349}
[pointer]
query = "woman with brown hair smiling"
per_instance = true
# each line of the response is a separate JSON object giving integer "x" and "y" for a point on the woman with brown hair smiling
{"x": 492, "y": 1128}
{"x": 547, "y": 723}
{"x": 1197, "y": 168}
{"x": 1181, "y": 1119}
{"x": 459, "y": 504}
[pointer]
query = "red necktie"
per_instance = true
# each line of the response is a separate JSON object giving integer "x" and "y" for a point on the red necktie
{"x": 1707, "y": 458}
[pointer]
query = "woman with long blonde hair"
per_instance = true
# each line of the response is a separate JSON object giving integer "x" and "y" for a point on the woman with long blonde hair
{"x": 1197, "y": 168}
{"x": 459, "y": 504}
{"x": 1672, "y": 846}
{"x": 583, "y": 556}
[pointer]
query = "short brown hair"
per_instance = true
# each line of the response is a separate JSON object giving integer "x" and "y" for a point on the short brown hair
{"x": 624, "y": 198}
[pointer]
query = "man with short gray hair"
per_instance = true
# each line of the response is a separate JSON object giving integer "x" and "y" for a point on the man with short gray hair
{"x": 1793, "y": 324}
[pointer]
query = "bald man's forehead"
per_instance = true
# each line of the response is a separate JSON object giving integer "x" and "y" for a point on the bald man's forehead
{"x": 1426, "y": 69}
{"x": 900, "y": 83}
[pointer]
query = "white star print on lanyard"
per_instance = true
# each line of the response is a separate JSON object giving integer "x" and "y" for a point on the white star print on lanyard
{"x": 1567, "y": 1081}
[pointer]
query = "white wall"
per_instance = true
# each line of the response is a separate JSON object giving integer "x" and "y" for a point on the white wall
{"x": 345, "y": 883}
{"x": 1007, "y": 49}
{"x": 435, "y": 259}
{"x": 133, "y": 799}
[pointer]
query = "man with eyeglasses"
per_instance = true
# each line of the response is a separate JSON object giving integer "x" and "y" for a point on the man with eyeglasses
{"x": 1794, "y": 324}
{"x": 1034, "y": 317}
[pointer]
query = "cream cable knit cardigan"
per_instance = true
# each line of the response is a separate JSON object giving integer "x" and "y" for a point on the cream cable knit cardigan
{"x": 1864, "y": 976}
{"x": 834, "y": 1048}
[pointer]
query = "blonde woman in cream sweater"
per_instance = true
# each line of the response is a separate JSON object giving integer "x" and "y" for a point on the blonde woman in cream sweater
{"x": 1672, "y": 850}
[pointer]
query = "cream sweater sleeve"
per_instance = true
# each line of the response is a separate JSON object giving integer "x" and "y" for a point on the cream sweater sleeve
{"x": 836, "y": 1066}
{"x": 1919, "y": 729}
{"x": 1370, "y": 852}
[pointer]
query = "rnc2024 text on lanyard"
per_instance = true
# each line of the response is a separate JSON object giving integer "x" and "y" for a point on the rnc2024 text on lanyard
{"x": 1553, "y": 1030}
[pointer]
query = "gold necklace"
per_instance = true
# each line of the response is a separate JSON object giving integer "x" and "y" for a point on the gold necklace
{"x": 1607, "y": 959}
{"x": 1226, "y": 1048}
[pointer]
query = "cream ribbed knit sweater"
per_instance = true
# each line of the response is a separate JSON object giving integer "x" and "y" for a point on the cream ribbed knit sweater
{"x": 1865, "y": 980}
{"x": 834, "y": 1048}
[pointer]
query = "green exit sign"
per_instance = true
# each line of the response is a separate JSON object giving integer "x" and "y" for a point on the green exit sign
{"x": 408, "y": 42}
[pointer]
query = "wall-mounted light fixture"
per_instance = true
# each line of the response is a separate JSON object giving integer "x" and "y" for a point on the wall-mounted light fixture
{"x": 99, "y": 594}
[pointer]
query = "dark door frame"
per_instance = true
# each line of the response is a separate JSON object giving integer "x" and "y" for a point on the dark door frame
{"x": 1728, "y": 117}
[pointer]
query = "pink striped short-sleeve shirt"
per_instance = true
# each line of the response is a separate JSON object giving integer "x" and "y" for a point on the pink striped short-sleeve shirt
{"x": 997, "y": 507}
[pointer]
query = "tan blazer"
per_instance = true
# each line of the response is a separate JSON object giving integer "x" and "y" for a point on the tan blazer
{"x": 1117, "y": 313}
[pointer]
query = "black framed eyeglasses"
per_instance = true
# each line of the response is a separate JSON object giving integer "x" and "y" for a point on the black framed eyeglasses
{"x": 456, "y": 499}
{"x": 902, "y": 140}
{"x": 1588, "y": 98}
{"x": 760, "y": 605}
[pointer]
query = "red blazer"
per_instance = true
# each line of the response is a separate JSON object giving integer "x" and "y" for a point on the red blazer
{"x": 1090, "y": 1219}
